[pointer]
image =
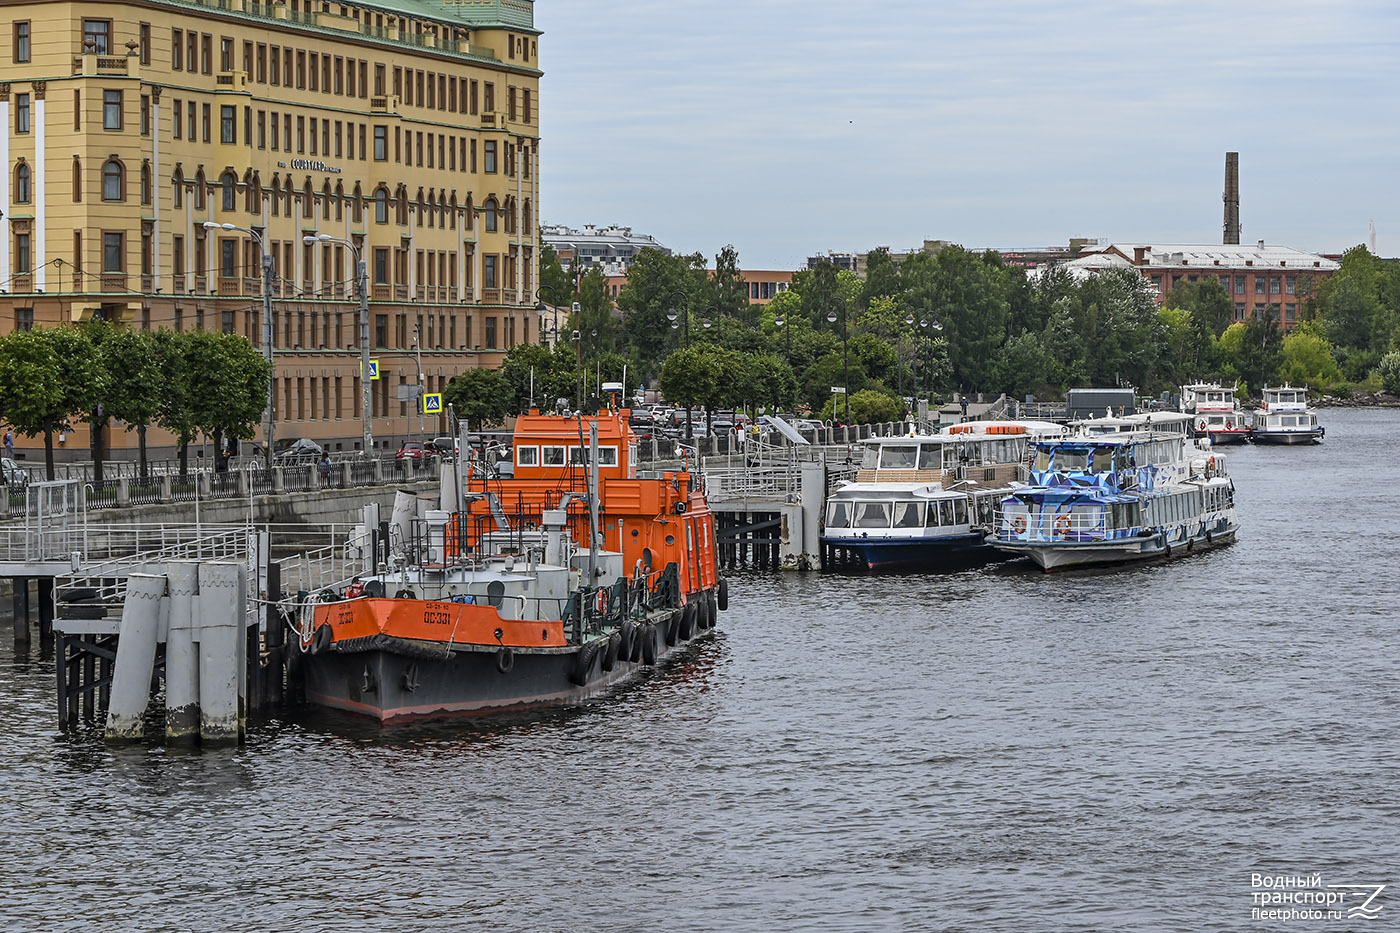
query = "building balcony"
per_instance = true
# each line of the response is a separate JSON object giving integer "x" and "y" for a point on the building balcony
{"x": 388, "y": 104}
{"x": 93, "y": 65}
{"x": 231, "y": 81}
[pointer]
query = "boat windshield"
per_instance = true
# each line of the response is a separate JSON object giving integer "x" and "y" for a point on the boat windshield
{"x": 901, "y": 457}
{"x": 873, "y": 514}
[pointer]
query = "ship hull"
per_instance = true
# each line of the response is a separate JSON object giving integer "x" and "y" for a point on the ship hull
{"x": 426, "y": 682}
{"x": 1288, "y": 437}
{"x": 1064, "y": 555}
{"x": 919, "y": 554}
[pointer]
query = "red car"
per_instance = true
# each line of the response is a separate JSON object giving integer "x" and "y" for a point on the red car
{"x": 416, "y": 451}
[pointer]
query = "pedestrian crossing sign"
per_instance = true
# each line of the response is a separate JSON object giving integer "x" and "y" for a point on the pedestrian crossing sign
{"x": 373, "y": 370}
{"x": 432, "y": 403}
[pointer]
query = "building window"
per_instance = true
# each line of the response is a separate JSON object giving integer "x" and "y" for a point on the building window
{"x": 177, "y": 255}
{"x": 381, "y": 143}
{"x": 381, "y": 266}
{"x": 488, "y": 275}
{"x": 113, "y": 252}
{"x": 1239, "y": 310}
{"x": 1239, "y": 285}
{"x": 228, "y": 124}
{"x": 381, "y": 206}
{"x": 177, "y": 49}
{"x": 113, "y": 186}
{"x": 100, "y": 32}
{"x": 1258, "y": 285}
{"x": 21, "y": 42}
{"x": 24, "y": 318}
{"x": 225, "y": 53}
{"x": 145, "y": 115}
{"x": 22, "y": 189}
{"x": 1291, "y": 285}
{"x": 21, "y": 113}
{"x": 488, "y": 215}
{"x": 22, "y": 252}
{"x": 489, "y": 155}
{"x": 381, "y": 330}
{"x": 204, "y": 121}
{"x": 111, "y": 110}
{"x": 144, "y": 35}
{"x": 228, "y": 258}
{"x": 490, "y": 332}
{"x": 228, "y": 185}
{"x": 147, "y": 183}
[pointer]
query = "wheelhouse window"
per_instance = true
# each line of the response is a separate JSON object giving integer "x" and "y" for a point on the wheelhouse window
{"x": 900, "y": 457}
{"x": 527, "y": 456}
{"x": 553, "y": 455}
{"x": 873, "y": 514}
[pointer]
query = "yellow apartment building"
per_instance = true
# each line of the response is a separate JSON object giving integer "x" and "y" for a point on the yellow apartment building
{"x": 406, "y": 130}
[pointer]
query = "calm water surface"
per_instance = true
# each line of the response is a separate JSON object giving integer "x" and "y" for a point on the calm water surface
{"x": 996, "y": 750}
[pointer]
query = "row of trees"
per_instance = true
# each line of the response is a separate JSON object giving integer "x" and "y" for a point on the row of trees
{"x": 959, "y": 320}
{"x": 189, "y": 383}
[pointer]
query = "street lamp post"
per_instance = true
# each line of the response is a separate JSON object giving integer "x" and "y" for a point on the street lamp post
{"x": 269, "y": 415}
{"x": 684, "y": 323}
{"x": 786, "y": 325}
{"x": 578, "y": 359}
{"x": 362, "y": 285}
{"x": 541, "y": 307}
{"x": 932, "y": 326}
{"x": 846, "y": 360}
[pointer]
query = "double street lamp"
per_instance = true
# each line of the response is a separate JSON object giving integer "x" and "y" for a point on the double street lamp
{"x": 932, "y": 327}
{"x": 269, "y": 414}
{"x": 362, "y": 286}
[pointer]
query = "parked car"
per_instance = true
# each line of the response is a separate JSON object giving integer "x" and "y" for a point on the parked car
{"x": 16, "y": 477}
{"x": 808, "y": 424}
{"x": 445, "y": 447}
{"x": 417, "y": 451}
{"x": 302, "y": 450}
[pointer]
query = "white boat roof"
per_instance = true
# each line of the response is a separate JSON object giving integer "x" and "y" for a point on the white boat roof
{"x": 979, "y": 428}
{"x": 891, "y": 490}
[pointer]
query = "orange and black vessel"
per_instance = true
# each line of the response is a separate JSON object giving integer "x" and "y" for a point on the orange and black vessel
{"x": 562, "y": 569}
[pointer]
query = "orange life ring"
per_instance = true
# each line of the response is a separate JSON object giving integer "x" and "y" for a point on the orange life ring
{"x": 600, "y": 602}
{"x": 1062, "y": 524}
{"x": 1018, "y": 524}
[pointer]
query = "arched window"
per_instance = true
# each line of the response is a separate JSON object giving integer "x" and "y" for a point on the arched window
{"x": 276, "y": 199}
{"x": 339, "y": 201}
{"x": 228, "y": 182}
{"x": 432, "y": 210}
{"x": 147, "y": 183}
{"x": 177, "y": 188}
{"x": 199, "y": 190}
{"x": 326, "y": 200}
{"x": 453, "y": 211}
{"x": 22, "y": 192}
{"x": 308, "y": 199}
{"x": 381, "y": 205}
{"x": 419, "y": 207}
{"x": 401, "y": 205}
{"x": 469, "y": 215}
{"x": 358, "y": 205}
{"x": 77, "y": 179}
{"x": 113, "y": 182}
{"x": 529, "y": 219}
{"x": 255, "y": 197}
{"x": 488, "y": 215}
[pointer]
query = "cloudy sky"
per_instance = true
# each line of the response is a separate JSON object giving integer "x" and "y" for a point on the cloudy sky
{"x": 790, "y": 127}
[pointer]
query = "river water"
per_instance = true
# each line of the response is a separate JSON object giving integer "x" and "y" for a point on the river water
{"x": 989, "y": 750}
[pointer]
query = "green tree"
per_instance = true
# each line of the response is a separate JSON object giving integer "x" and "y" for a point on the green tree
{"x": 45, "y": 379}
{"x": 483, "y": 397}
{"x": 176, "y": 408}
{"x": 227, "y": 384}
{"x": 1389, "y": 372}
{"x": 882, "y": 279}
{"x": 554, "y": 375}
{"x": 1022, "y": 366}
{"x": 970, "y": 300}
{"x": 657, "y": 283}
{"x": 1065, "y": 345}
{"x": 556, "y": 287}
{"x": 1308, "y": 360}
{"x": 1210, "y": 305}
{"x": 867, "y": 407}
{"x": 132, "y": 361}
{"x": 1184, "y": 351}
{"x": 729, "y": 294}
{"x": 598, "y": 329}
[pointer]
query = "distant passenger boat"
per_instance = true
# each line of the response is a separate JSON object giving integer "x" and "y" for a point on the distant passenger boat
{"x": 1101, "y": 498}
{"x": 1218, "y": 414}
{"x": 926, "y": 502}
{"x": 1285, "y": 418}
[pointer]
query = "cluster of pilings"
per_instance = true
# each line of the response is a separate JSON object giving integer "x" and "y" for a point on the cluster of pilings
{"x": 749, "y": 539}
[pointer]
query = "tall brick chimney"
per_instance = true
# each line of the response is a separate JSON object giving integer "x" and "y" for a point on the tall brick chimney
{"x": 1232, "y": 198}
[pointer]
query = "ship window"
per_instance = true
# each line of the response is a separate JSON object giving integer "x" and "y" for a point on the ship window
{"x": 553, "y": 456}
{"x": 1042, "y": 460}
{"x": 960, "y": 511}
{"x": 607, "y": 456}
{"x": 1070, "y": 459}
{"x": 898, "y": 458}
{"x": 931, "y": 457}
{"x": 838, "y": 515}
{"x": 527, "y": 456}
{"x": 872, "y": 514}
{"x": 870, "y": 459}
{"x": 907, "y": 515}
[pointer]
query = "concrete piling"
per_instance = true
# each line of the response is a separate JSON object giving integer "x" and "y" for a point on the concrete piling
{"x": 131, "y": 676}
{"x": 181, "y": 654}
{"x": 222, "y": 589}
{"x": 19, "y": 602}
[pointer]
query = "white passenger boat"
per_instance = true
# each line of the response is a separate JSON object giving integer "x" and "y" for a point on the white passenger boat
{"x": 1113, "y": 497}
{"x": 1217, "y": 412}
{"x": 926, "y": 502}
{"x": 1285, "y": 418}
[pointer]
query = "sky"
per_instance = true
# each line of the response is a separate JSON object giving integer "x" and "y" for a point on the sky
{"x": 791, "y": 128}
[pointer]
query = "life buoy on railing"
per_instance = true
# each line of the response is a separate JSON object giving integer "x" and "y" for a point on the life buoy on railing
{"x": 600, "y": 602}
{"x": 1018, "y": 524}
{"x": 1201, "y": 426}
{"x": 1210, "y": 468}
{"x": 1062, "y": 524}
{"x": 1229, "y": 425}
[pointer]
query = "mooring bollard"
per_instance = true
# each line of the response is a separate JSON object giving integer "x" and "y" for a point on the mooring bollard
{"x": 222, "y": 591}
{"x": 181, "y": 655}
{"x": 136, "y": 657}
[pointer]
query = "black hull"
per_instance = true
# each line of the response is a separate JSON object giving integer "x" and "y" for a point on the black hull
{"x": 392, "y": 685}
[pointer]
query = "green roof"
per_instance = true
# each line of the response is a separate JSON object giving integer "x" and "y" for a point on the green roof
{"x": 518, "y": 14}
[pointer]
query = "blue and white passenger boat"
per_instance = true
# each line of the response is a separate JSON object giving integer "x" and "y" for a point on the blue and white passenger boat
{"x": 1112, "y": 497}
{"x": 926, "y": 502}
{"x": 1285, "y": 418}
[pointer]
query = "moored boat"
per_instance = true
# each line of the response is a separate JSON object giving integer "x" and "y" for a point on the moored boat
{"x": 1285, "y": 418}
{"x": 563, "y": 569}
{"x": 926, "y": 502}
{"x": 1217, "y": 413}
{"x": 1116, "y": 497}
